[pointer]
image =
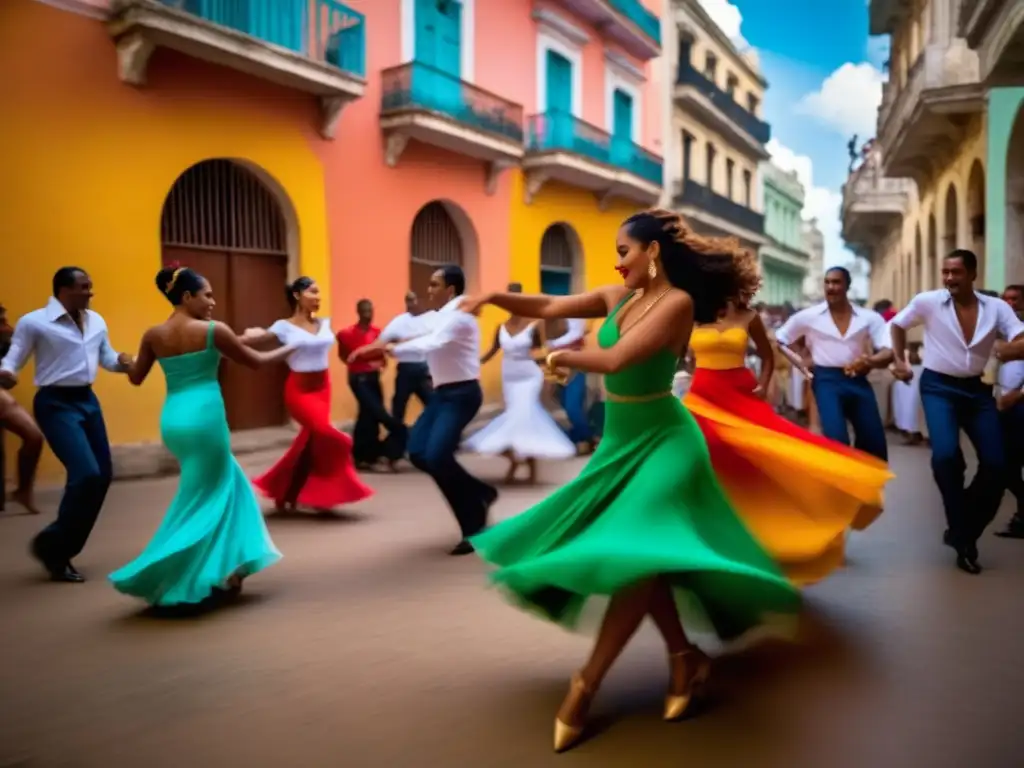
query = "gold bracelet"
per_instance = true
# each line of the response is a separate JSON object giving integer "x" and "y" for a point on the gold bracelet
{"x": 549, "y": 361}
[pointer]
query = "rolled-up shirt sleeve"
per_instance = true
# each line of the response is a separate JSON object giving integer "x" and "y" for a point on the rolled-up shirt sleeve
{"x": 792, "y": 330}
{"x": 456, "y": 325}
{"x": 1007, "y": 322}
{"x": 881, "y": 338}
{"x": 22, "y": 343}
{"x": 108, "y": 355}
{"x": 912, "y": 314}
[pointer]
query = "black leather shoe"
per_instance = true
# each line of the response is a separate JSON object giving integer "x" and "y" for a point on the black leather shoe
{"x": 968, "y": 563}
{"x": 68, "y": 573}
{"x": 463, "y": 548}
{"x": 1014, "y": 530}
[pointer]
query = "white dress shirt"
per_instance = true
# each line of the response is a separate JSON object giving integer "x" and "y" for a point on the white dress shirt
{"x": 65, "y": 355}
{"x": 575, "y": 332}
{"x": 1011, "y": 376}
{"x": 405, "y": 327}
{"x": 945, "y": 350}
{"x": 451, "y": 345}
{"x": 312, "y": 350}
{"x": 828, "y": 347}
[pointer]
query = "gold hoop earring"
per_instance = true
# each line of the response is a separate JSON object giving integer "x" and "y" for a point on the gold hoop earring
{"x": 652, "y": 269}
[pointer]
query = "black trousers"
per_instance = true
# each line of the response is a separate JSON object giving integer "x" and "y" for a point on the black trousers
{"x": 367, "y": 445}
{"x": 410, "y": 379}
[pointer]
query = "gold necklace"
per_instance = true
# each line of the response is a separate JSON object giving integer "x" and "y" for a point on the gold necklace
{"x": 644, "y": 311}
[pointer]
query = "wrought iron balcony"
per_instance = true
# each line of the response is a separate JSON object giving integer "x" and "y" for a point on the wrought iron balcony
{"x": 718, "y": 107}
{"x": 702, "y": 202}
{"x": 314, "y": 46}
{"x": 421, "y": 102}
{"x": 562, "y": 147}
{"x": 627, "y": 22}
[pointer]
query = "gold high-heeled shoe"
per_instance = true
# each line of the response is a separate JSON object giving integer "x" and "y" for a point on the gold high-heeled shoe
{"x": 578, "y": 700}
{"x": 696, "y": 669}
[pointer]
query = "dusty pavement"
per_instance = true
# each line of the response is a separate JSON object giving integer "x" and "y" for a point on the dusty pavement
{"x": 367, "y": 646}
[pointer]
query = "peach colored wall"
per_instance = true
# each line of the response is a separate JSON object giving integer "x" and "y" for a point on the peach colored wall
{"x": 594, "y": 68}
{"x": 371, "y": 207}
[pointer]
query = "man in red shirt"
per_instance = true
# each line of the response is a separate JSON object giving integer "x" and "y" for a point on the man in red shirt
{"x": 364, "y": 380}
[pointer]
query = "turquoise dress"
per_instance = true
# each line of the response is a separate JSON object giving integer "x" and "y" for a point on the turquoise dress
{"x": 214, "y": 528}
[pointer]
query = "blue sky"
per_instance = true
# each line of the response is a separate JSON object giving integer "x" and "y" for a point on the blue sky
{"x": 824, "y": 84}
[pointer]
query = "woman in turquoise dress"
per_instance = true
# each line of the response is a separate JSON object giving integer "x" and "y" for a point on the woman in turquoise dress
{"x": 213, "y": 534}
{"x": 646, "y": 523}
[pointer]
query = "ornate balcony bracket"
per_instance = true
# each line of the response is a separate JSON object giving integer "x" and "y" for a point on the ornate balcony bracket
{"x": 535, "y": 181}
{"x": 394, "y": 146}
{"x": 493, "y": 171}
{"x": 330, "y": 112}
{"x": 605, "y": 198}
{"x": 133, "y": 54}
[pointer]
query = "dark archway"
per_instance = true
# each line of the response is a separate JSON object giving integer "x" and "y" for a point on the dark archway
{"x": 1014, "y": 249}
{"x": 976, "y": 217}
{"x": 441, "y": 234}
{"x": 222, "y": 220}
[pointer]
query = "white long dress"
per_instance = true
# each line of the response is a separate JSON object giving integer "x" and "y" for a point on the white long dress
{"x": 524, "y": 427}
{"x": 906, "y": 402}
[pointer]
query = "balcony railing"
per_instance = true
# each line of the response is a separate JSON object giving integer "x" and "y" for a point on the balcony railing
{"x": 554, "y": 131}
{"x": 686, "y": 74}
{"x": 689, "y": 192}
{"x": 322, "y": 30}
{"x": 418, "y": 86}
{"x": 646, "y": 21}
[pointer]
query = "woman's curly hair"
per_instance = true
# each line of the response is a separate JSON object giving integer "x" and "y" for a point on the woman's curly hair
{"x": 713, "y": 270}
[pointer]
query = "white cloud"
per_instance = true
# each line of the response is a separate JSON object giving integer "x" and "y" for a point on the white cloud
{"x": 848, "y": 99}
{"x": 728, "y": 18}
{"x": 820, "y": 203}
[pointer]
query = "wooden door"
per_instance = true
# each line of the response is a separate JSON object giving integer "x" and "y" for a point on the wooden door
{"x": 213, "y": 265}
{"x": 254, "y": 399}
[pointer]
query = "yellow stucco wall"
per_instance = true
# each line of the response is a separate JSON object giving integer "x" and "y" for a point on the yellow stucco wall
{"x": 88, "y": 165}
{"x": 578, "y": 208}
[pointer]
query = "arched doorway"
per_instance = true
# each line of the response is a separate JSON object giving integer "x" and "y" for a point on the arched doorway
{"x": 916, "y": 279}
{"x": 950, "y": 235}
{"x": 932, "y": 246}
{"x": 560, "y": 259}
{"x": 560, "y": 268}
{"x": 976, "y": 216}
{"x": 1014, "y": 253}
{"x": 435, "y": 242}
{"x": 222, "y": 221}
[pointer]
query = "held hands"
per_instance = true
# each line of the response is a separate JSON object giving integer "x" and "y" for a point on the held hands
{"x": 858, "y": 367}
{"x": 901, "y": 369}
{"x": 554, "y": 372}
{"x": 8, "y": 380}
{"x": 252, "y": 333}
{"x": 1009, "y": 400}
{"x": 125, "y": 360}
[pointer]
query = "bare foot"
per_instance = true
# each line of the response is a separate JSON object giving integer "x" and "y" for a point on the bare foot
{"x": 25, "y": 499}
{"x": 510, "y": 476}
{"x": 531, "y": 467}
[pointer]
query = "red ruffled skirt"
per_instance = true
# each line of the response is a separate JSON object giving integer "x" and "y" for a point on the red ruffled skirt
{"x": 321, "y": 455}
{"x": 797, "y": 492}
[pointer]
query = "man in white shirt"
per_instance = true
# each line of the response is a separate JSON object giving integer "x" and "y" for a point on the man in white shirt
{"x": 451, "y": 346}
{"x": 412, "y": 376}
{"x": 836, "y": 333}
{"x": 961, "y": 328}
{"x": 574, "y": 392}
{"x": 70, "y": 343}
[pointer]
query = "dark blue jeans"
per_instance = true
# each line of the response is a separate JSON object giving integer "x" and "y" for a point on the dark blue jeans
{"x": 1013, "y": 448}
{"x": 410, "y": 379}
{"x": 841, "y": 399}
{"x": 952, "y": 404}
{"x": 574, "y": 401}
{"x": 433, "y": 441}
{"x": 72, "y": 423}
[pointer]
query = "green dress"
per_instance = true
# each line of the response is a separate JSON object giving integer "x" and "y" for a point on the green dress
{"x": 214, "y": 528}
{"x": 647, "y": 503}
